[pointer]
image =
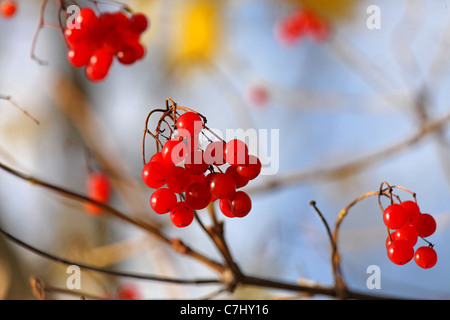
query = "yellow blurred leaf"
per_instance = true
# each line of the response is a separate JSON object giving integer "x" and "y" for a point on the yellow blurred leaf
{"x": 332, "y": 10}
{"x": 196, "y": 32}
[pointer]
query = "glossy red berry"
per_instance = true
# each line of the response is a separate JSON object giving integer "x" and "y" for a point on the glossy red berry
{"x": 154, "y": 174}
{"x": 394, "y": 216}
{"x": 189, "y": 124}
{"x": 222, "y": 185}
{"x": 198, "y": 196}
{"x": 163, "y": 201}
{"x": 80, "y": 54}
{"x": 224, "y": 206}
{"x": 174, "y": 151}
{"x": 138, "y": 23}
{"x": 240, "y": 204}
{"x": 195, "y": 163}
{"x": 198, "y": 178}
{"x": 179, "y": 179}
{"x": 400, "y": 252}
{"x": 8, "y": 8}
{"x": 251, "y": 170}
{"x": 425, "y": 257}
{"x": 98, "y": 67}
{"x": 127, "y": 55}
{"x": 412, "y": 210}
{"x": 236, "y": 152}
{"x": 182, "y": 215}
{"x": 215, "y": 153}
{"x": 86, "y": 19}
{"x": 238, "y": 179}
{"x": 407, "y": 232}
{"x": 425, "y": 225}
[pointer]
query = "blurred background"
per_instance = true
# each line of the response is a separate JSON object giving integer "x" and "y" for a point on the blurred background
{"x": 362, "y": 107}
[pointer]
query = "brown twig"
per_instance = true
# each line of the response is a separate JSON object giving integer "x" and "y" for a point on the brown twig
{"x": 15, "y": 104}
{"x": 102, "y": 270}
{"x": 317, "y": 174}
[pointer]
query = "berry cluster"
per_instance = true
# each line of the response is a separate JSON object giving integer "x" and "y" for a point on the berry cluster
{"x": 409, "y": 224}
{"x": 94, "y": 41}
{"x": 98, "y": 188}
{"x": 190, "y": 172}
{"x": 301, "y": 23}
{"x": 8, "y": 8}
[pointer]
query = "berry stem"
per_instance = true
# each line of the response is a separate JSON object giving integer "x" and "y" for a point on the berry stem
{"x": 16, "y": 105}
{"x": 102, "y": 270}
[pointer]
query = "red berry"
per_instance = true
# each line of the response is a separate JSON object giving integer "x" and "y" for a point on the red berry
{"x": 154, "y": 174}
{"x": 194, "y": 163}
{"x": 174, "y": 151}
{"x": 182, "y": 215}
{"x": 425, "y": 225}
{"x": 407, "y": 232}
{"x": 257, "y": 95}
{"x": 86, "y": 19}
{"x": 215, "y": 153}
{"x": 238, "y": 179}
{"x": 179, "y": 179}
{"x": 138, "y": 23}
{"x": 250, "y": 170}
{"x": 127, "y": 55}
{"x": 98, "y": 188}
{"x": 240, "y": 204}
{"x": 412, "y": 210}
{"x": 289, "y": 30}
{"x": 128, "y": 292}
{"x": 425, "y": 257}
{"x": 200, "y": 178}
{"x": 224, "y": 206}
{"x": 140, "y": 50}
{"x": 99, "y": 64}
{"x": 317, "y": 26}
{"x": 163, "y": 201}
{"x": 189, "y": 124}
{"x": 390, "y": 239}
{"x": 236, "y": 152}
{"x": 80, "y": 54}
{"x": 222, "y": 185}
{"x": 198, "y": 196}
{"x": 158, "y": 157}
{"x": 74, "y": 36}
{"x": 8, "y": 8}
{"x": 394, "y": 216}
{"x": 400, "y": 252}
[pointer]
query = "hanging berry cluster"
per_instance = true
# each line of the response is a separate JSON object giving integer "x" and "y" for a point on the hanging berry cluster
{"x": 188, "y": 178}
{"x": 94, "y": 41}
{"x": 8, "y": 8}
{"x": 406, "y": 223}
{"x": 301, "y": 23}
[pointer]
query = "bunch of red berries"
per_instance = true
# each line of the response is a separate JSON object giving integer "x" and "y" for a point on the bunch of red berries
{"x": 8, "y": 8}
{"x": 94, "y": 41}
{"x": 301, "y": 23}
{"x": 190, "y": 173}
{"x": 409, "y": 224}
